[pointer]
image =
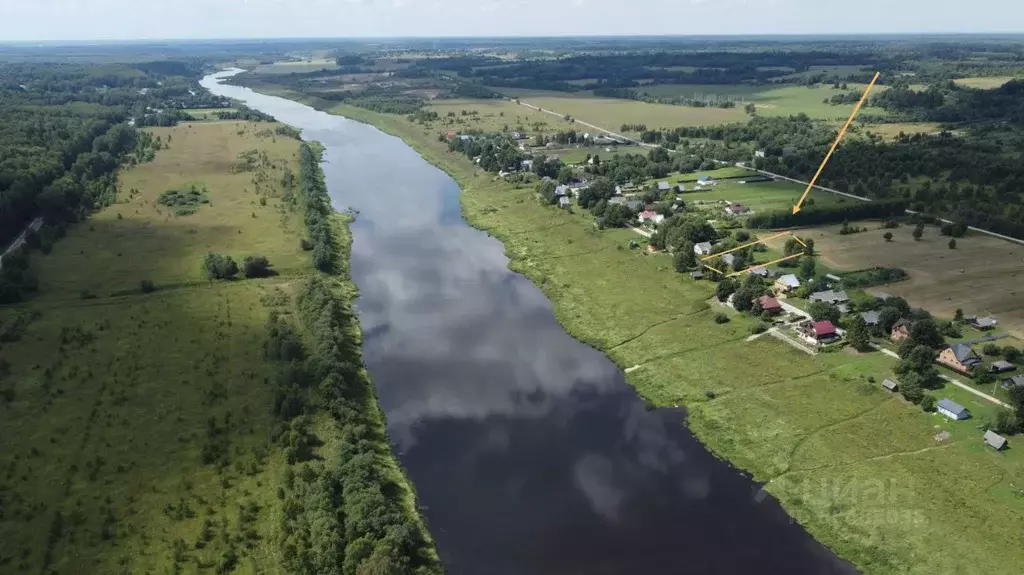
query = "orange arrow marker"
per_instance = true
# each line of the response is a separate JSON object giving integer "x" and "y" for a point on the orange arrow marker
{"x": 842, "y": 132}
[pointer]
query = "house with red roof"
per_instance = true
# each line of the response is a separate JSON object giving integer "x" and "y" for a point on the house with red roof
{"x": 769, "y": 304}
{"x": 818, "y": 332}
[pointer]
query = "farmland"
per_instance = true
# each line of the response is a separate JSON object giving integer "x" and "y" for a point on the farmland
{"x": 771, "y": 101}
{"x": 866, "y": 473}
{"x": 981, "y": 276}
{"x": 984, "y": 83}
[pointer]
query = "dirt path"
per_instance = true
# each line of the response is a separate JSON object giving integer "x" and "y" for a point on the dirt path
{"x": 20, "y": 240}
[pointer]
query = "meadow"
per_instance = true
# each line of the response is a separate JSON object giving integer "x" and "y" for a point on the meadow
{"x": 758, "y": 196}
{"x": 984, "y": 82}
{"x": 980, "y": 276}
{"x": 861, "y": 469}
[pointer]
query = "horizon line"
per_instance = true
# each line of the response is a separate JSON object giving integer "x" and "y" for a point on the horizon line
{"x": 850, "y": 35}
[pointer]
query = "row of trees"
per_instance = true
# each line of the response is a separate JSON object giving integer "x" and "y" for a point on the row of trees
{"x": 816, "y": 216}
{"x": 317, "y": 210}
{"x": 345, "y": 514}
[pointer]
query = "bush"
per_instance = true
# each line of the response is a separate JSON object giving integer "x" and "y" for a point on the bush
{"x": 220, "y": 266}
{"x": 256, "y": 267}
{"x": 759, "y": 327}
{"x": 721, "y": 318}
{"x": 305, "y": 244}
{"x": 147, "y": 286}
{"x": 928, "y": 402}
{"x": 184, "y": 202}
{"x": 991, "y": 349}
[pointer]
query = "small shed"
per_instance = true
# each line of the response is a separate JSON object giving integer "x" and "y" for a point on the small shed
{"x": 871, "y": 317}
{"x": 952, "y": 409}
{"x": 890, "y": 386}
{"x": 664, "y": 186}
{"x": 994, "y": 440}
{"x": 1001, "y": 366}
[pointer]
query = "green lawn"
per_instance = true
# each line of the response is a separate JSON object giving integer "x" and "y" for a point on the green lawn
{"x": 759, "y": 196}
{"x": 858, "y": 467}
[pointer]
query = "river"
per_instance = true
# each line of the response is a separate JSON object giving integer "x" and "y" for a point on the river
{"x": 529, "y": 451}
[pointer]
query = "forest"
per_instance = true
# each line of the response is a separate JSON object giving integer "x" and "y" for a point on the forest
{"x": 65, "y": 130}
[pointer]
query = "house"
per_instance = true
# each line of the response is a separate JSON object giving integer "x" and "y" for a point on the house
{"x": 697, "y": 275}
{"x": 959, "y": 357}
{"x": 871, "y": 318}
{"x": 634, "y": 205}
{"x": 900, "y": 330}
{"x": 564, "y": 202}
{"x": 786, "y": 284}
{"x": 705, "y": 181}
{"x": 617, "y": 200}
{"x": 736, "y": 209}
{"x": 830, "y": 297}
{"x": 833, "y": 278}
{"x": 451, "y": 134}
{"x": 952, "y": 410}
{"x": 1012, "y": 382}
{"x": 646, "y": 215}
{"x": 769, "y": 304}
{"x": 729, "y": 260}
{"x": 983, "y": 323}
{"x": 824, "y": 331}
{"x": 561, "y": 191}
{"x": 890, "y": 386}
{"x": 526, "y": 164}
{"x": 1001, "y": 367}
{"x": 702, "y": 249}
{"x": 664, "y": 186}
{"x": 995, "y": 440}
{"x": 681, "y": 188}
{"x": 760, "y": 271}
{"x": 466, "y": 138}
{"x": 758, "y": 153}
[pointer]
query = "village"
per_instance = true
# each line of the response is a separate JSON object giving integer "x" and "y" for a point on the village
{"x": 793, "y": 297}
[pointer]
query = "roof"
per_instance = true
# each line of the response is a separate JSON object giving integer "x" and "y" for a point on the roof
{"x": 902, "y": 322}
{"x": 768, "y": 302}
{"x": 833, "y": 277}
{"x": 697, "y": 275}
{"x": 647, "y": 215}
{"x": 830, "y": 296}
{"x": 703, "y": 246}
{"x": 729, "y": 259}
{"x": 951, "y": 406}
{"x": 890, "y": 385}
{"x": 1002, "y": 365}
{"x": 994, "y": 439}
{"x": 984, "y": 322}
{"x": 736, "y": 208}
{"x": 871, "y": 317}
{"x": 824, "y": 328}
{"x": 634, "y": 204}
{"x": 760, "y": 271}
{"x": 703, "y": 179}
{"x": 664, "y": 186}
{"x": 1017, "y": 380}
{"x": 789, "y": 280}
{"x": 561, "y": 190}
{"x": 964, "y": 353}
{"x": 563, "y": 201}
{"x": 682, "y": 188}
{"x": 617, "y": 200}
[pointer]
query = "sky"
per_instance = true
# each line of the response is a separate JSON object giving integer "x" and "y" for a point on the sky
{"x": 45, "y": 20}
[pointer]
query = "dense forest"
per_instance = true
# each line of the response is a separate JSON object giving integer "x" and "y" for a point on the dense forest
{"x": 64, "y": 131}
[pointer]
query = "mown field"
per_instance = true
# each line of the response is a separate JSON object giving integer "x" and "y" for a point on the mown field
{"x": 859, "y": 468}
{"x": 984, "y": 82}
{"x": 760, "y": 196}
{"x": 981, "y": 276}
{"x": 771, "y": 101}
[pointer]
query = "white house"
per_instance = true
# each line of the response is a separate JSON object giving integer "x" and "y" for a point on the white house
{"x": 702, "y": 249}
{"x": 952, "y": 410}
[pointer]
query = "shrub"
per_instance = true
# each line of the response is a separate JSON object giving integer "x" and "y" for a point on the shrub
{"x": 256, "y": 267}
{"x": 721, "y": 318}
{"x": 759, "y": 327}
{"x": 147, "y": 286}
{"x": 991, "y": 349}
{"x": 305, "y": 244}
{"x": 220, "y": 266}
{"x": 184, "y": 202}
{"x": 928, "y": 402}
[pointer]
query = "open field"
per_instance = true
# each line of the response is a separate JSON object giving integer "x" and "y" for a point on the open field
{"x": 493, "y": 115}
{"x": 760, "y": 196}
{"x": 859, "y": 468}
{"x": 984, "y": 83}
{"x": 139, "y": 419}
{"x": 982, "y": 275}
{"x": 611, "y": 113}
{"x": 892, "y": 131}
{"x": 770, "y": 100}
{"x": 207, "y": 113}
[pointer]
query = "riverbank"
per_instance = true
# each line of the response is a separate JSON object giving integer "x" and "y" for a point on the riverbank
{"x": 859, "y": 469}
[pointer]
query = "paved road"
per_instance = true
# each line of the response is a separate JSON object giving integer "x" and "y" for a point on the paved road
{"x": 20, "y": 240}
{"x": 772, "y": 174}
{"x": 955, "y": 382}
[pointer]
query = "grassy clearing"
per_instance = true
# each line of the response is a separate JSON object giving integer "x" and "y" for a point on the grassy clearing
{"x": 860, "y": 469}
{"x": 207, "y": 114}
{"x": 611, "y": 113}
{"x": 984, "y": 83}
{"x": 892, "y": 131}
{"x": 987, "y": 285}
{"x": 493, "y": 116}
{"x": 114, "y": 397}
{"x": 760, "y": 196}
{"x": 296, "y": 67}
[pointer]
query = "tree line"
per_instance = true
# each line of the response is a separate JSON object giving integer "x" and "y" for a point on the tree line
{"x": 317, "y": 210}
{"x": 821, "y": 215}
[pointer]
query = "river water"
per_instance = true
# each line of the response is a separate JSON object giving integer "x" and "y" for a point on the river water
{"x": 529, "y": 451}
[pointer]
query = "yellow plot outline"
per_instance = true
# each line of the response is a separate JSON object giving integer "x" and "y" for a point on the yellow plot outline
{"x": 748, "y": 244}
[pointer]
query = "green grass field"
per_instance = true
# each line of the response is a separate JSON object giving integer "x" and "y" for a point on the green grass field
{"x": 758, "y": 196}
{"x": 137, "y": 432}
{"x": 859, "y": 468}
{"x": 295, "y": 67}
{"x": 984, "y": 83}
